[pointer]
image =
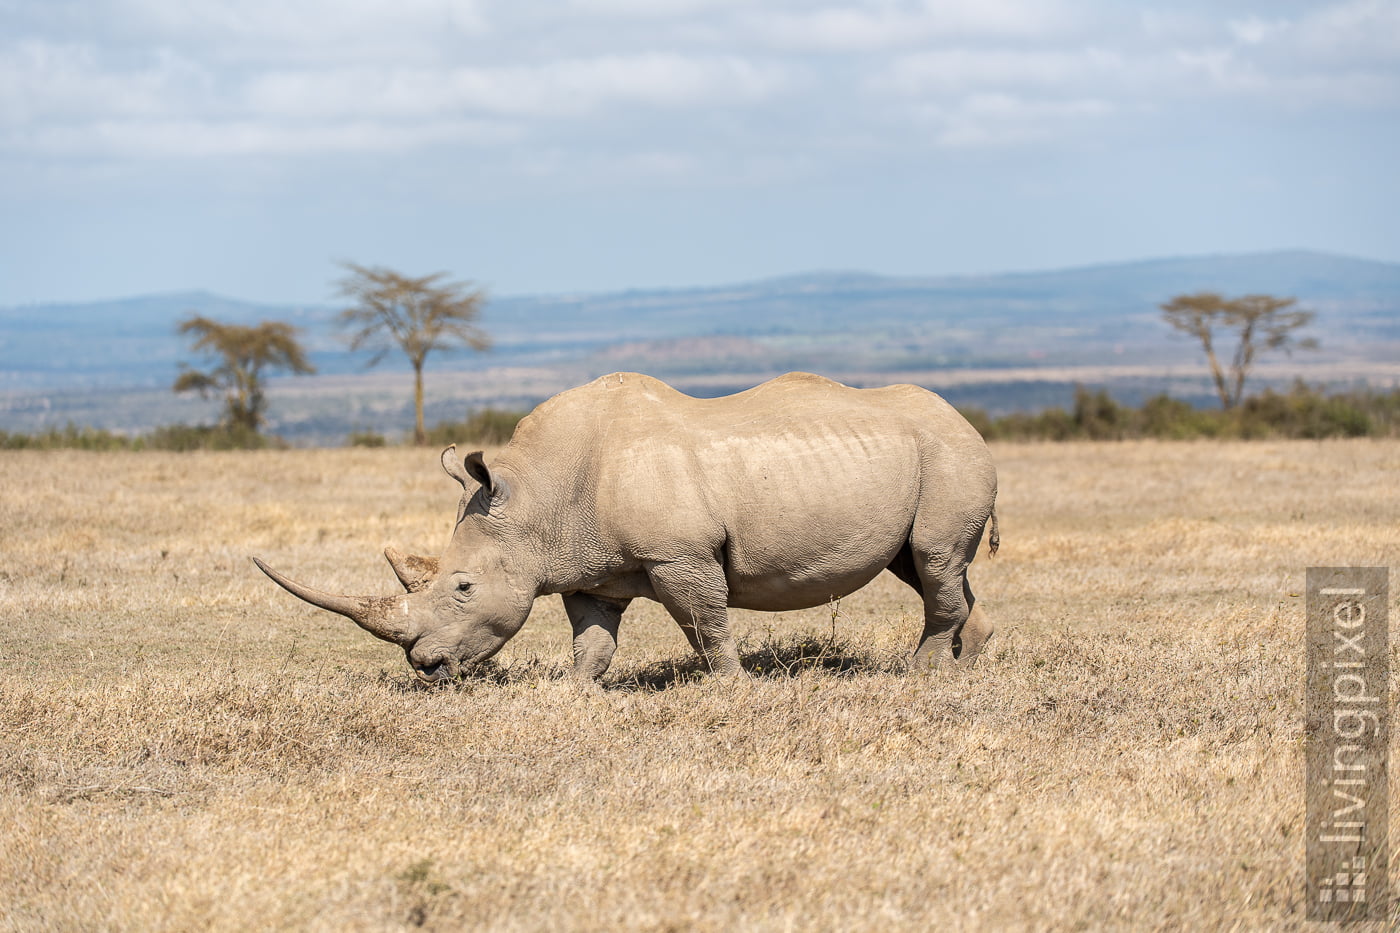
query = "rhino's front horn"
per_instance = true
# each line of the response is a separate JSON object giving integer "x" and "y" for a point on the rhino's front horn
{"x": 385, "y": 617}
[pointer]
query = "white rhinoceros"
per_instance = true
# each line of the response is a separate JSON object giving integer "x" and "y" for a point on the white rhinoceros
{"x": 785, "y": 496}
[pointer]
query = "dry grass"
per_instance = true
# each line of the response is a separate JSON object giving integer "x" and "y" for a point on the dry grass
{"x": 183, "y": 746}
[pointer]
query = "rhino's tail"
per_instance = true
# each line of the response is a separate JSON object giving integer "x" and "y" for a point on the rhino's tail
{"x": 994, "y": 539}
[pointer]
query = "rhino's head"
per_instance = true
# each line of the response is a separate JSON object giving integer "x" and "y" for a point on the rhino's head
{"x": 461, "y": 608}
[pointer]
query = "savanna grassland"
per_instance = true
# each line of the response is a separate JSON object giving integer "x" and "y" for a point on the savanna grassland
{"x": 184, "y": 746}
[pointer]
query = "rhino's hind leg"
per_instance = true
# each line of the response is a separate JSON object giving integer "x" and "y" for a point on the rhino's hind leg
{"x": 974, "y": 634}
{"x": 969, "y": 640}
{"x": 903, "y": 567}
{"x": 941, "y": 546}
{"x": 945, "y": 633}
{"x": 595, "y": 621}
{"x": 945, "y": 613}
{"x": 696, "y": 595}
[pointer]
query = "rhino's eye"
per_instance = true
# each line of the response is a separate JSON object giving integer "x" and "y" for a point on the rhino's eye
{"x": 463, "y": 586}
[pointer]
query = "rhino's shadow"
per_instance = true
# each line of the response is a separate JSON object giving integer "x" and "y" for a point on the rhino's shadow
{"x": 789, "y": 658}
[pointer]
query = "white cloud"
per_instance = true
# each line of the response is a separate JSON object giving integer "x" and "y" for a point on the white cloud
{"x": 1355, "y": 31}
{"x": 658, "y": 165}
{"x": 642, "y": 79}
{"x": 585, "y": 85}
{"x": 1367, "y": 24}
{"x": 42, "y": 81}
{"x": 1253, "y": 30}
{"x": 301, "y": 23}
{"x": 145, "y": 139}
{"x": 960, "y": 69}
{"x": 1001, "y": 120}
{"x": 967, "y": 97}
{"x": 561, "y": 88}
{"x": 1341, "y": 54}
{"x": 68, "y": 98}
{"x": 653, "y": 9}
{"x": 874, "y": 26}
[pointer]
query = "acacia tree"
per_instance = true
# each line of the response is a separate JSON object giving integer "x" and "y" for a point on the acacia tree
{"x": 418, "y": 315}
{"x": 239, "y": 356}
{"x": 1258, "y": 322}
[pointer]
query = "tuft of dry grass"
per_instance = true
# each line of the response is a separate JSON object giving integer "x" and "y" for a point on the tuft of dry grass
{"x": 184, "y": 746}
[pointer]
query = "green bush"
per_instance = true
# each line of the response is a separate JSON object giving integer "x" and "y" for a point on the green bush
{"x": 487, "y": 427}
{"x": 1170, "y": 418}
{"x": 69, "y": 437}
{"x": 183, "y": 437}
{"x": 1301, "y": 412}
{"x": 1098, "y": 417}
{"x": 1052, "y": 424}
{"x": 979, "y": 419}
{"x": 366, "y": 439}
{"x": 171, "y": 437}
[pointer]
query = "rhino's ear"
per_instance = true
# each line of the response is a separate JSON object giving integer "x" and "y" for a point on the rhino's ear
{"x": 453, "y": 466}
{"x": 414, "y": 572}
{"x": 476, "y": 467}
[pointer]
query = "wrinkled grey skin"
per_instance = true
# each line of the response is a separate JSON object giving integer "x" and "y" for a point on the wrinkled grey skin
{"x": 782, "y": 497}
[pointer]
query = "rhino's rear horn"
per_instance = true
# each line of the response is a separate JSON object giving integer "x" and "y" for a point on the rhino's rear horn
{"x": 385, "y": 617}
{"x": 414, "y": 572}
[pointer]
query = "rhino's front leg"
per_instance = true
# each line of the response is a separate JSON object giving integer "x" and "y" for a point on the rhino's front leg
{"x": 595, "y": 620}
{"x": 696, "y": 595}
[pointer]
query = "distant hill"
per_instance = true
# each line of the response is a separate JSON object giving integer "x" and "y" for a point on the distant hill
{"x": 1108, "y": 296}
{"x": 53, "y": 357}
{"x": 123, "y": 342}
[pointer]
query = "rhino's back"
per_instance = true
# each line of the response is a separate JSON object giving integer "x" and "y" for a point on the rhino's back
{"x": 619, "y": 406}
{"x": 808, "y": 487}
{"x": 804, "y": 409}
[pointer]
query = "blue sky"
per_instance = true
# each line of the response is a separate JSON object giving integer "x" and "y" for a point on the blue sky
{"x": 244, "y": 146}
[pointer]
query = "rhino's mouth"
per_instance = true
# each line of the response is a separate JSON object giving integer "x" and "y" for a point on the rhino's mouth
{"x": 432, "y": 673}
{"x": 449, "y": 669}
